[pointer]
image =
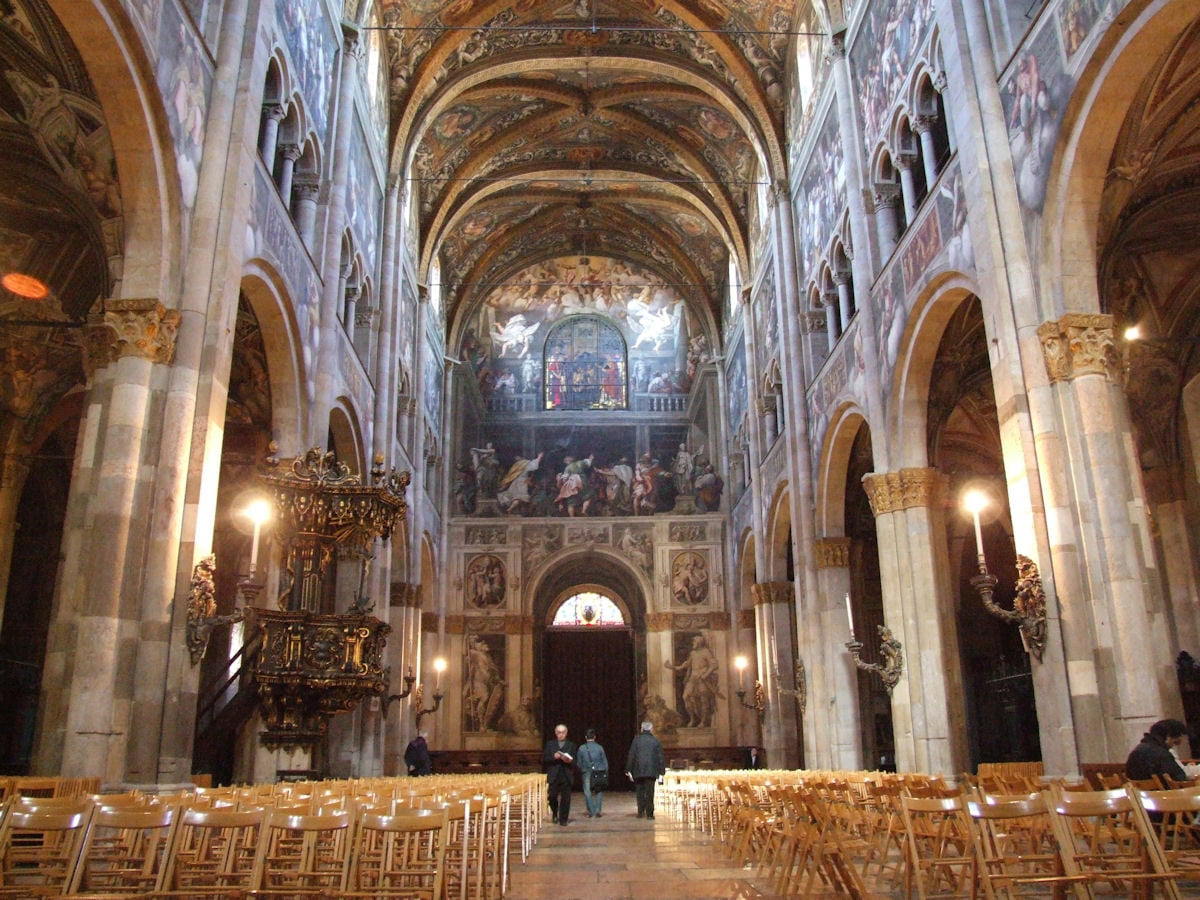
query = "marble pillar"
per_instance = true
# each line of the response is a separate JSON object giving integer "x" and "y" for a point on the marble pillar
{"x": 776, "y": 663}
{"x": 14, "y": 469}
{"x": 834, "y": 689}
{"x": 928, "y": 711}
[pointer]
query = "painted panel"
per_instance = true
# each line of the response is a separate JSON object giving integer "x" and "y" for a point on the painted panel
{"x": 364, "y": 198}
{"x": 884, "y": 49}
{"x": 312, "y": 45}
{"x": 822, "y": 190}
{"x": 735, "y": 384}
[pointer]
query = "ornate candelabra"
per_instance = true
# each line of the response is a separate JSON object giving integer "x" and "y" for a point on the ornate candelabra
{"x": 890, "y": 651}
{"x": 1029, "y": 603}
{"x": 760, "y": 698}
{"x": 421, "y": 712}
{"x": 801, "y": 691}
{"x": 409, "y": 680}
{"x": 314, "y": 664}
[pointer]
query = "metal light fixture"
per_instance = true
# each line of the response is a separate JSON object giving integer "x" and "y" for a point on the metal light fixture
{"x": 760, "y": 695}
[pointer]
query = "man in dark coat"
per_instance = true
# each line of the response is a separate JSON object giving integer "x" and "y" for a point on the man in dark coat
{"x": 645, "y": 764}
{"x": 559, "y": 758}
{"x": 416, "y": 755}
{"x": 1153, "y": 755}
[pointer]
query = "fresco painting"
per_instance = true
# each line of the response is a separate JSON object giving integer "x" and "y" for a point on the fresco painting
{"x": 312, "y": 45}
{"x": 735, "y": 384}
{"x": 506, "y": 344}
{"x": 432, "y": 391}
{"x": 822, "y": 189}
{"x": 185, "y": 77}
{"x": 364, "y": 206}
{"x": 884, "y": 49}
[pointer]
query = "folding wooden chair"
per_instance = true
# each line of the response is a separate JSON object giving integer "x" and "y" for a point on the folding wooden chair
{"x": 39, "y": 850}
{"x": 399, "y": 856}
{"x": 125, "y": 851}
{"x": 1172, "y": 815}
{"x": 213, "y": 854}
{"x": 1104, "y": 842}
{"x": 940, "y": 857}
{"x": 302, "y": 855}
{"x": 1015, "y": 850}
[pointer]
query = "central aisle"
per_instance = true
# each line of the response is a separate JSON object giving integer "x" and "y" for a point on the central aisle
{"x": 622, "y": 856}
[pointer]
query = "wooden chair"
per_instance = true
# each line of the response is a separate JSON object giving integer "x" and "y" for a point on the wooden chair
{"x": 1173, "y": 817}
{"x": 302, "y": 855}
{"x": 1015, "y": 851}
{"x": 940, "y": 859}
{"x": 39, "y": 850}
{"x": 399, "y": 856}
{"x": 213, "y": 854}
{"x": 125, "y": 851}
{"x": 1103, "y": 840}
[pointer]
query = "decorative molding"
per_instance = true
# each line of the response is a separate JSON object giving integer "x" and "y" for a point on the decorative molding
{"x": 138, "y": 327}
{"x": 658, "y": 621}
{"x": 832, "y": 552}
{"x": 773, "y": 592}
{"x": 429, "y": 622}
{"x": 745, "y": 618}
{"x": 487, "y": 534}
{"x": 1079, "y": 344}
{"x": 404, "y": 595}
{"x": 906, "y": 489}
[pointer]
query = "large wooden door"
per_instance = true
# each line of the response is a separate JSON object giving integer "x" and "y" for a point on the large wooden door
{"x": 587, "y": 682}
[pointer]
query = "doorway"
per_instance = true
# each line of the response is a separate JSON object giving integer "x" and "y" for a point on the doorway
{"x": 588, "y": 682}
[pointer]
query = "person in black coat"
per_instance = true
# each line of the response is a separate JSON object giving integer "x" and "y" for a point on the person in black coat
{"x": 416, "y": 755}
{"x": 752, "y": 758}
{"x": 1153, "y": 755}
{"x": 559, "y": 759}
{"x": 644, "y": 765}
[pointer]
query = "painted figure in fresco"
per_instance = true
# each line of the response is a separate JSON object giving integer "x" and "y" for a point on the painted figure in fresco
{"x": 689, "y": 584}
{"x": 485, "y": 686}
{"x": 529, "y": 375}
{"x": 574, "y": 486}
{"x": 465, "y": 489}
{"x": 514, "y": 333}
{"x": 556, "y": 383}
{"x": 487, "y": 470}
{"x": 682, "y": 469}
{"x": 700, "y": 683}
{"x": 645, "y": 486}
{"x": 485, "y": 583}
{"x": 619, "y": 486}
{"x": 708, "y": 486}
{"x": 515, "y": 485}
{"x": 636, "y": 546}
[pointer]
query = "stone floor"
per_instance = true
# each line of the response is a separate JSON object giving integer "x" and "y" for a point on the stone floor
{"x": 622, "y": 856}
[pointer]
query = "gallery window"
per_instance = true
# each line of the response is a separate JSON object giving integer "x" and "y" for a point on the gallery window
{"x": 587, "y": 609}
{"x": 585, "y": 365}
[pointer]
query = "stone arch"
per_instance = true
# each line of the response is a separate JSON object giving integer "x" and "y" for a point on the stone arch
{"x": 604, "y": 590}
{"x": 931, "y": 312}
{"x": 267, "y": 294}
{"x": 1079, "y": 169}
{"x": 151, "y": 193}
{"x": 779, "y": 533}
{"x": 833, "y": 467}
{"x": 590, "y": 561}
{"x": 346, "y": 432}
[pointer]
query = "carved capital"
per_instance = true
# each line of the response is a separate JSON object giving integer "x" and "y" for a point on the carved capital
{"x": 832, "y": 552}
{"x": 829, "y": 299}
{"x": 275, "y": 111}
{"x": 142, "y": 328}
{"x": 905, "y": 489}
{"x": 886, "y": 196}
{"x": 1079, "y": 344}
{"x": 813, "y": 322}
{"x": 773, "y": 592}
{"x": 904, "y": 159}
{"x": 291, "y": 151}
{"x": 745, "y": 619}
{"x": 405, "y": 595}
{"x": 841, "y": 277}
{"x": 308, "y": 187}
{"x": 922, "y": 124}
{"x": 766, "y": 406}
{"x": 456, "y": 624}
{"x": 366, "y": 318}
{"x": 659, "y": 621}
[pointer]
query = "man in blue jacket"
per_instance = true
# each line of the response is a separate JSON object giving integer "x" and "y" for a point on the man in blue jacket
{"x": 644, "y": 765}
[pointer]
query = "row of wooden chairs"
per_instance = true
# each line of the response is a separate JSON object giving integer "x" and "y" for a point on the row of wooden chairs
{"x": 921, "y": 836}
{"x": 449, "y": 839}
{"x": 38, "y": 786}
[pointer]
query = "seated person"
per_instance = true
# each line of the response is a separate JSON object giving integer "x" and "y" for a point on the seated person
{"x": 1153, "y": 755}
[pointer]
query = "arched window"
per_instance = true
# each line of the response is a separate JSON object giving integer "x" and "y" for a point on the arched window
{"x": 587, "y": 609}
{"x": 585, "y": 365}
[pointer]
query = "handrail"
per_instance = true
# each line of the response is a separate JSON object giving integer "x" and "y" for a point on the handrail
{"x": 248, "y": 652}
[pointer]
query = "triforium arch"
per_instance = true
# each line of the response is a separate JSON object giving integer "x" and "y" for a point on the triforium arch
{"x": 264, "y": 290}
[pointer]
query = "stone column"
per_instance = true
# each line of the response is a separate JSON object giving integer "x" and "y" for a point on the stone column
{"x": 350, "y": 320}
{"x": 833, "y": 326}
{"x": 287, "y": 170}
{"x": 308, "y": 189}
{"x": 923, "y": 126}
{"x": 746, "y": 726}
{"x": 772, "y": 600}
{"x": 274, "y": 113}
{"x": 908, "y": 190}
{"x": 834, "y": 689}
{"x": 887, "y": 200}
{"x": 845, "y": 302}
{"x": 126, "y": 348}
{"x": 1168, "y": 510}
{"x": 1134, "y": 674}
{"x": 332, "y": 297}
{"x": 14, "y": 470}
{"x": 927, "y": 705}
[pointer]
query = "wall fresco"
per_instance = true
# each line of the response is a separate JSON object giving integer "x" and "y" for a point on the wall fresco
{"x": 821, "y": 194}
{"x": 735, "y": 384}
{"x": 884, "y": 49}
{"x": 364, "y": 198}
{"x": 312, "y": 46}
{"x": 184, "y": 75}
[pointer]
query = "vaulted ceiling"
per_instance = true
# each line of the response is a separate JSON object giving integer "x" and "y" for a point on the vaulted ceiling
{"x": 634, "y": 129}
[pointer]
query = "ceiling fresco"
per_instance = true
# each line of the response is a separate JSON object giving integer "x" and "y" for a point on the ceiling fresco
{"x": 536, "y": 129}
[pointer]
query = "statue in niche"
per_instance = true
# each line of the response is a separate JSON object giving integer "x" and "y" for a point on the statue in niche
{"x": 487, "y": 470}
{"x": 517, "y": 484}
{"x": 682, "y": 470}
{"x": 485, "y": 684}
{"x": 708, "y": 486}
{"x": 700, "y": 685}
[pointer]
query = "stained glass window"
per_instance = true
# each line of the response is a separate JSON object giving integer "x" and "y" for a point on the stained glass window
{"x": 588, "y": 609}
{"x": 585, "y": 365}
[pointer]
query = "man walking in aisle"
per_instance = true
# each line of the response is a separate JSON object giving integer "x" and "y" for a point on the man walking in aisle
{"x": 644, "y": 765}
